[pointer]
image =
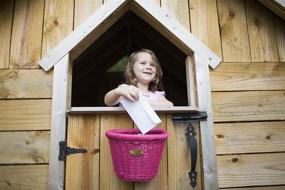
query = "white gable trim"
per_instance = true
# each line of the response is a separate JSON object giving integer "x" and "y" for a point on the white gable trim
{"x": 67, "y": 44}
{"x": 110, "y": 12}
{"x": 173, "y": 29}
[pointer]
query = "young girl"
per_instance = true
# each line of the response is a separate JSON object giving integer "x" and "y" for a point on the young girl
{"x": 143, "y": 75}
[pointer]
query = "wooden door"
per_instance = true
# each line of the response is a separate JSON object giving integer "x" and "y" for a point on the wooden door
{"x": 94, "y": 170}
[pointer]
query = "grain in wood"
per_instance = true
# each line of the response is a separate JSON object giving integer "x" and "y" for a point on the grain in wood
{"x": 82, "y": 170}
{"x": 233, "y": 27}
{"x": 205, "y": 23}
{"x": 27, "y": 34}
{"x": 249, "y": 106}
{"x": 58, "y": 22}
{"x": 83, "y": 9}
{"x": 260, "y": 188}
{"x": 25, "y": 84}
{"x": 248, "y": 76}
{"x": 250, "y": 137}
{"x": 179, "y": 10}
{"x": 24, "y": 147}
{"x": 24, "y": 177}
{"x": 210, "y": 178}
{"x": 261, "y": 31}
{"x": 280, "y": 35}
{"x": 251, "y": 170}
{"x": 25, "y": 115}
{"x": 6, "y": 15}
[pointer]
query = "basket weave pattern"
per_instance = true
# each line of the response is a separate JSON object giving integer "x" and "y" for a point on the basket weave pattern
{"x": 136, "y": 157}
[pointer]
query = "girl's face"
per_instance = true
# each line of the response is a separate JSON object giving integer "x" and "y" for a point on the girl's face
{"x": 144, "y": 68}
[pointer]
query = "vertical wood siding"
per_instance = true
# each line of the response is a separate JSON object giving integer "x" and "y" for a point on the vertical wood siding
{"x": 204, "y": 23}
{"x": 280, "y": 35}
{"x": 27, "y": 34}
{"x": 6, "y": 16}
{"x": 58, "y": 22}
{"x": 248, "y": 93}
{"x": 233, "y": 27}
{"x": 261, "y": 31}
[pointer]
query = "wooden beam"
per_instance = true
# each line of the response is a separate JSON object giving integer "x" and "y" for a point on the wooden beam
{"x": 82, "y": 170}
{"x": 6, "y": 18}
{"x": 251, "y": 170}
{"x": 249, "y": 106}
{"x": 175, "y": 32}
{"x": 205, "y": 23}
{"x": 24, "y": 147}
{"x": 280, "y": 37}
{"x": 58, "y": 23}
{"x": 33, "y": 114}
{"x": 191, "y": 81}
{"x": 25, "y": 83}
{"x": 81, "y": 37}
{"x": 159, "y": 109}
{"x": 249, "y": 76}
{"x": 281, "y": 187}
{"x": 60, "y": 104}
{"x": 277, "y": 6}
{"x": 261, "y": 32}
{"x": 24, "y": 177}
{"x": 234, "y": 34}
{"x": 26, "y": 39}
{"x": 206, "y": 127}
{"x": 250, "y": 137}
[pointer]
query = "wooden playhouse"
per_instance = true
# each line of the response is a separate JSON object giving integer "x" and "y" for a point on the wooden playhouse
{"x": 53, "y": 124}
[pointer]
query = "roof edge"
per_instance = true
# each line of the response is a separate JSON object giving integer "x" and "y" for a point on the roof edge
{"x": 276, "y": 6}
{"x": 70, "y": 41}
{"x": 110, "y": 12}
{"x": 174, "y": 29}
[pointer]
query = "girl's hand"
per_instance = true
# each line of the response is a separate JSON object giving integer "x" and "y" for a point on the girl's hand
{"x": 128, "y": 91}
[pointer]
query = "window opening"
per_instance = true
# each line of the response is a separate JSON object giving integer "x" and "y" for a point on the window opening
{"x": 101, "y": 66}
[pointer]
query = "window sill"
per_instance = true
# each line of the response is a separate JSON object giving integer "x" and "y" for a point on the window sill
{"x": 159, "y": 109}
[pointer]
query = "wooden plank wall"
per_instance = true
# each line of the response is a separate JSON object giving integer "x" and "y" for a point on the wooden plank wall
{"x": 249, "y": 97}
{"x": 30, "y": 29}
{"x": 248, "y": 87}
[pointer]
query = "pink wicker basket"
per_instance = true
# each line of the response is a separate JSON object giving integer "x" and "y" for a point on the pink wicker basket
{"x": 136, "y": 157}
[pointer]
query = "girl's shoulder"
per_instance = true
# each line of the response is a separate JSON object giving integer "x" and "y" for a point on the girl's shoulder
{"x": 160, "y": 93}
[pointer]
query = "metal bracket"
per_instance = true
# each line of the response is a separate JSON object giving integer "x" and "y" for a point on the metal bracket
{"x": 64, "y": 150}
{"x": 191, "y": 139}
{"x": 193, "y": 117}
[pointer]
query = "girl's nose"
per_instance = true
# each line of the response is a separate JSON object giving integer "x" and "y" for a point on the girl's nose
{"x": 148, "y": 67}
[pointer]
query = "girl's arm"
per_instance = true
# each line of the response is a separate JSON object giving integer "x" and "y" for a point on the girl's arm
{"x": 128, "y": 91}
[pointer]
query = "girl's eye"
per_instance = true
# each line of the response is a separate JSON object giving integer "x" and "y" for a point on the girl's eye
{"x": 143, "y": 63}
{"x": 152, "y": 64}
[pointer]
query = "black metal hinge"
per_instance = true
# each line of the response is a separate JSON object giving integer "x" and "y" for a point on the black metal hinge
{"x": 192, "y": 141}
{"x": 192, "y": 117}
{"x": 64, "y": 150}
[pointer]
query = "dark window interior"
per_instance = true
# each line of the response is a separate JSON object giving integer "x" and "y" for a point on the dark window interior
{"x": 99, "y": 68}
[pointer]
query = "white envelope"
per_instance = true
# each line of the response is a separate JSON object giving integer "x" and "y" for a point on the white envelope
{"x": 141, "y": 113}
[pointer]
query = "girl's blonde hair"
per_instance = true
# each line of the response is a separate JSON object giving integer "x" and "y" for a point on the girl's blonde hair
{"x": 130, "y": 75}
